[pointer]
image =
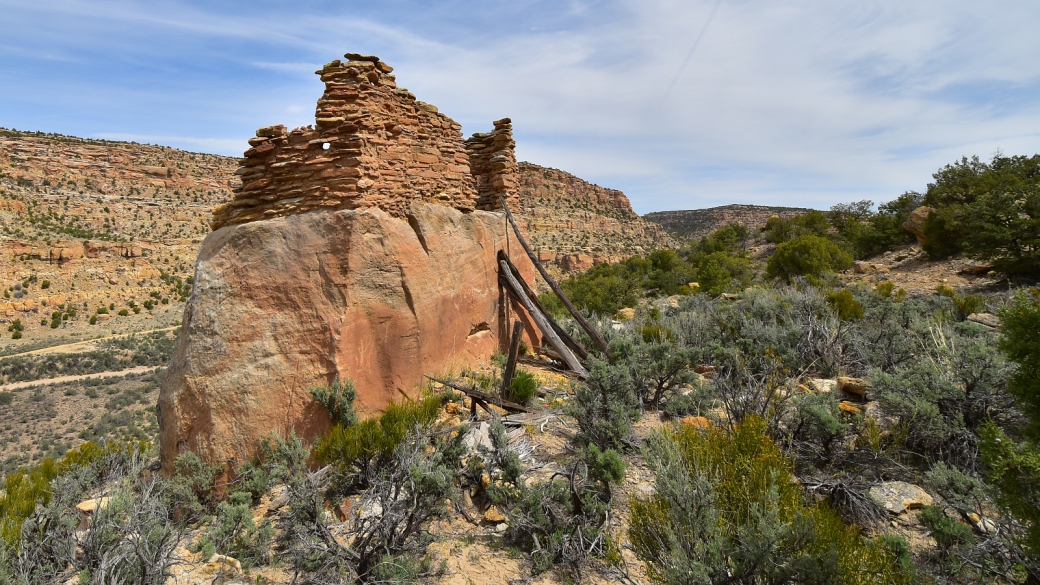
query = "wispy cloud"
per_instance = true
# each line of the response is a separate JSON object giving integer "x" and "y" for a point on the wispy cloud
{"x": 805, "y": 103}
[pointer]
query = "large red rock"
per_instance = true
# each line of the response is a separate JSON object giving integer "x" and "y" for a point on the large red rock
{"x": 284, "y": 304}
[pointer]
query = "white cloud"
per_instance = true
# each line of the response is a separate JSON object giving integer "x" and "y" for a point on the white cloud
{"x": 804, "y": 102}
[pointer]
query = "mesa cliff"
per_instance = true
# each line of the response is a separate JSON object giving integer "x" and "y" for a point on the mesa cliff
{"x": 575, "y": 224}
{"x": 362, "y": 247}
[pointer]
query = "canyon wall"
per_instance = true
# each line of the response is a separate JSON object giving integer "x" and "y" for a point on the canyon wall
{"x": 575, "y": 224}
{"x": 363, "y": 248}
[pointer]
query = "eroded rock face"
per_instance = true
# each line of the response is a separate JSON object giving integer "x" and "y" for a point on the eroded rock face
{"x": 284, "y": 304}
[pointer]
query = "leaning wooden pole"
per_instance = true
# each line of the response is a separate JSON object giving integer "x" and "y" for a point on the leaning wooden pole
{"x": 574, "y": 345}
{"x": 539, "y": 319}
{"x": 589, "y": 329}
{"x": 514, "y": 349}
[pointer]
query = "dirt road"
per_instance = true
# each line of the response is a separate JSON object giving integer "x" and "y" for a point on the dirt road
{"x": 64, "y": 379}
{"x": 85, "y": 345}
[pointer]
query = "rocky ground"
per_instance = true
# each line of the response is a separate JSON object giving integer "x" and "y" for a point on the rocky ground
{"x": 908, "y": 268}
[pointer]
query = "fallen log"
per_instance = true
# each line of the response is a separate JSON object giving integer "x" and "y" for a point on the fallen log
{"x": 477, "y": 396}
{"x": 539, "y": 319}
{"x": 589, "y": 329}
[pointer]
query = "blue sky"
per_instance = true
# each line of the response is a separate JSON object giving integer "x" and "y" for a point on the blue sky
{"x": 681, "y": 104}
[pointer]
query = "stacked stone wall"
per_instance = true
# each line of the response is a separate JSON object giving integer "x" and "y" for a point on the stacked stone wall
{"x": 372, "y": 145}
{"x": 492, "y": 160}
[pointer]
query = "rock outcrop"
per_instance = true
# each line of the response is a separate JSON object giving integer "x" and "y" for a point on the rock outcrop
{"x": 694, "y": 223}
{"x": 916, "y": 222}
{"x": 575, "y": 224}
{"x": 359, "y": 250}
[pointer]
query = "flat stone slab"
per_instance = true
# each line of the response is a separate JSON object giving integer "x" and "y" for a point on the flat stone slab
{"x": 899, "y": 496}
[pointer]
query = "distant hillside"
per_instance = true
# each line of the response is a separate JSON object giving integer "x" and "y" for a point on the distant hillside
{"x": 576, "y": 224}
{"x": 694, "y": 223}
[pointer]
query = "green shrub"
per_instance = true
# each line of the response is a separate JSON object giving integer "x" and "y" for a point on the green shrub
{"x": 6, "y": 398}
{"x": 25, "y": 489}
{"x": 808, "y": 256}
{"x": 123, "y": 312}
{"x": 779, "y": 230}
{"x": 360, "y": 450}
{"x": 93, "y": 319}
{"x": 523, "y": 388}
{"x": 867, "y": 233}
{"x": 946, "y": 531}
{"x": 562, "y": 521}
{"x": 16, "y": 335}
{"x": 606, "y": 405}
{"x": 234, "y": 533}
{"x": 899, "y": 548}
{"x": 727, "y": 509}
{"x": 1014, "y": 467}
{"x": 338, "y": 398}
{"x": 818, "y": 419}
{"x": 845, "y": 306}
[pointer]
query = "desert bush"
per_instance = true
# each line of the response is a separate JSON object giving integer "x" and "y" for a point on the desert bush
{"x": 234, "y": 533}
{"x": 891, "y": 332}
{"x": 565, "y": 521}
{"x": 25, "y": 489}
{"x": 359, "y": 451}
{"x": 868, "y": 233}
{"x": 727, "y": 509}
{"x": 817, "y": 420}
{"x": 988, "y": 210}
{"x": 133, "y": 538}
{"x": 606, "y": 405}
{"x": 946, "y": 531}
{"x": 338, "y": 398}
{"x": 845, "y": 306}
{"x": 779, "y": 230}
{"x": 808, "y": 256}
{"x": 1014, "y": 465}
{"x": 945, "y": 395}
{"x": 6, "y": 398}
{"x": 386, "y": 525}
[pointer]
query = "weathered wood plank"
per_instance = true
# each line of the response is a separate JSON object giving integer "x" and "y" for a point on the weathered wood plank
{"x": 589, "y": 329}
{"x": 539, "y": 319}
{"x": 576, "y": 347}
{"x": 514, "y": 349}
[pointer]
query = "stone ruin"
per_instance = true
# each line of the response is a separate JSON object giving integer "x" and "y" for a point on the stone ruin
{"x": 373, "y": 145}
{"x": 361, "y": 248}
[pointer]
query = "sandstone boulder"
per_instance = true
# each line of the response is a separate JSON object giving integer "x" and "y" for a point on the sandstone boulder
{"x": 900, "y": 496}
{"x": 985, "y": 319}
{"x": 288, "y": 303}
{"x": 857, "y": 386}
{"x": 915, "y": 223}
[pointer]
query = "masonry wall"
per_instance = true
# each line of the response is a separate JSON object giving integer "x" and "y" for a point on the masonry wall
{"x": 372, "y": 145}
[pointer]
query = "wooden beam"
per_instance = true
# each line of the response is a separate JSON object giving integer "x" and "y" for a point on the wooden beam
{"x": 589, "y": 329}
{"x": 566, "y": 337}
{"x": 539, "y": 319}
{"x": 480, "y": 397}
{"x": 514, "y": 349}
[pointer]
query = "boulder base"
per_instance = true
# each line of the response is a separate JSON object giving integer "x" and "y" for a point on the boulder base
{"x": 285, "y": 304}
